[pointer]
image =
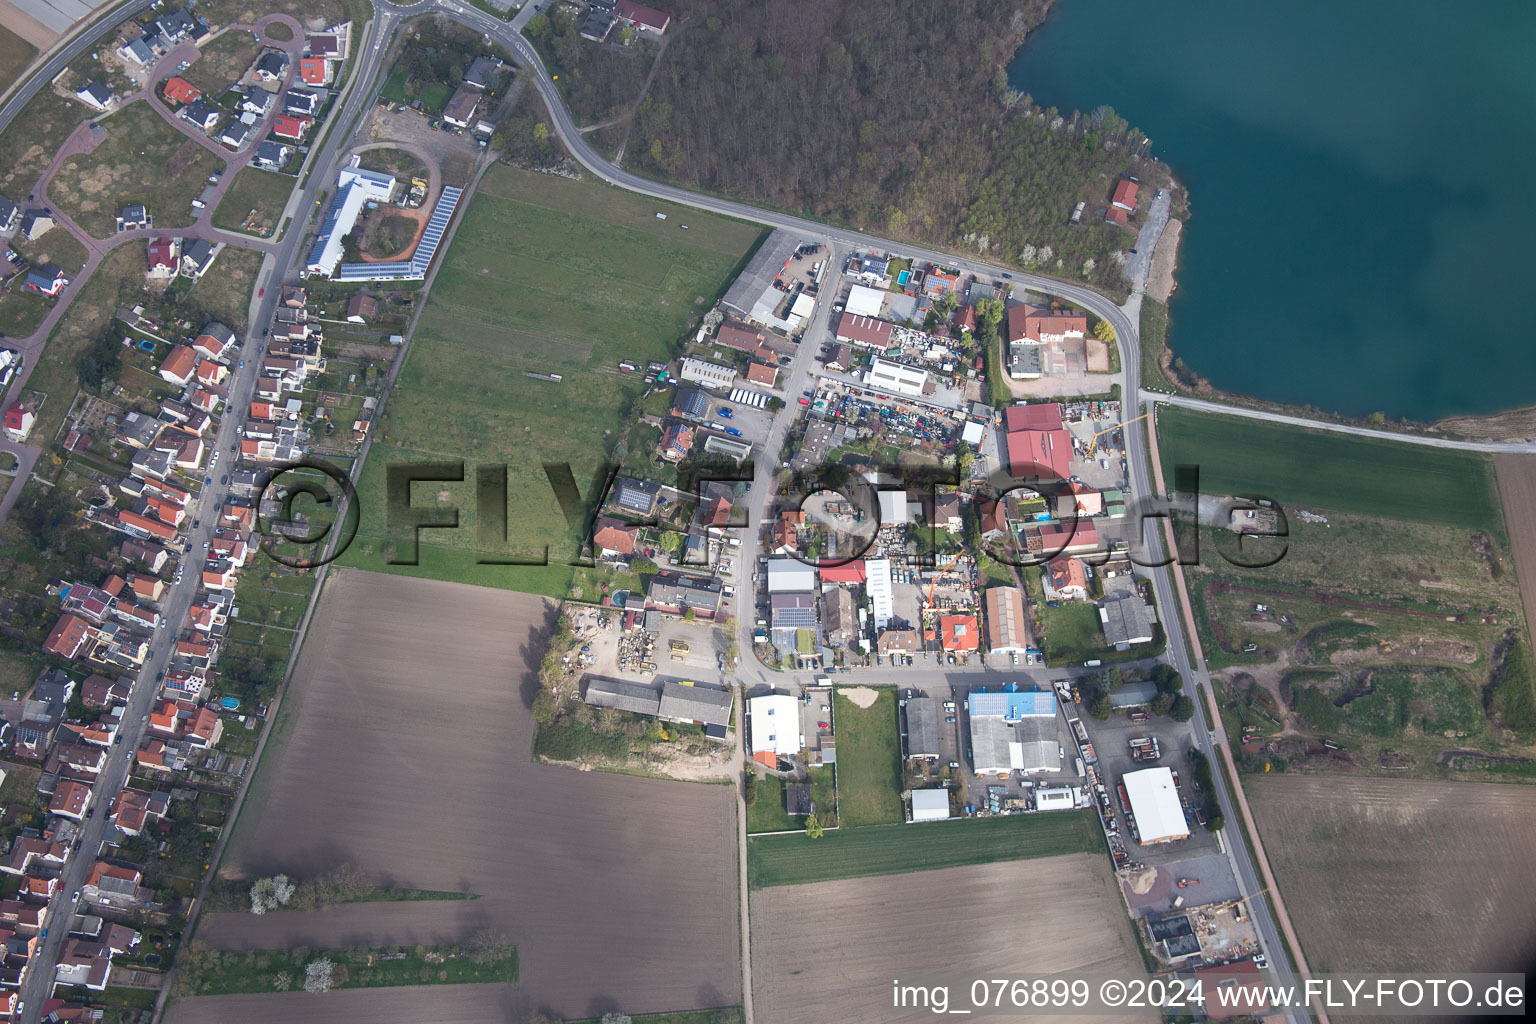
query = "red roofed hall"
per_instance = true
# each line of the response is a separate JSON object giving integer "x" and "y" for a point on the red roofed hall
{"x": 852, "y": 572}
{"x": 646, "y": 18}
{"x": 1038, "y": 325}
{"x": 864, "y": 330}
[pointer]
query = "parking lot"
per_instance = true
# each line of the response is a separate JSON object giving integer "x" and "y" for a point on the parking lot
{"x": 1110, "y": 741}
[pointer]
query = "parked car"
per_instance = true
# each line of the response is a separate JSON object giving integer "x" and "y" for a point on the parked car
{"x": 950, "y": 719}
{"x": 224, "y": 479}
{"x": 805, "y": 401}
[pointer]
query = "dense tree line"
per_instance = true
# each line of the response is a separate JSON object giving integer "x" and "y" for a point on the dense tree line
{"x": 898, "y": 120}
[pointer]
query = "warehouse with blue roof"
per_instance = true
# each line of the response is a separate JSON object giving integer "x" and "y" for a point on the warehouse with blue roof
{"x": 1014, "y": 731}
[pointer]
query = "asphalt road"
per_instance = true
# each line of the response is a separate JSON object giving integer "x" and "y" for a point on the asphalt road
{"x": 368, "y": 52}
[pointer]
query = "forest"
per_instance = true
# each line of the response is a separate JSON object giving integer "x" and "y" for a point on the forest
{"x": 897, "y": 120}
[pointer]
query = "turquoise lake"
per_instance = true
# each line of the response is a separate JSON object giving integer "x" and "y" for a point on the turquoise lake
{"x": 1362, "y": 183}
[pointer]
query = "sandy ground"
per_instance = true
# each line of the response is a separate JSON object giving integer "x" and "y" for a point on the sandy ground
{"x": 830, "y": 950}
{"x": 1401, "y": 874}
{"x": 1160, "y": 279}
{"x": 408, "y": 755}
{"x": 1517, "y": 489}
{"x": 860, "y": 696}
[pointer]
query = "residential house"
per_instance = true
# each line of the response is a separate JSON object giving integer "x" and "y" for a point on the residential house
{"x": 47, "y": 279}
{"x": 181, "y": 92}
{"x": 674, "y": 593}
{"x": 164, "y": 256}
{"x": 315, "y": 71}
{"x": 676, "y": 442}
{"x": 271, "y": 156}
{"x": 256, "y": 100}
{"x": 235, "y": 134}
{"x": 214, "y": 341}
{"x": 897, "y": 641}
{"x": 1124, "y": 614}
{"x": 151, "y": 556}
{"x": 691, "y": 404}
{"x": 19, "y": 420}
{"x": 101, "y": 692}
{"x": 137, "y": 52}
{"x": 302, "y": 102}
{"x": 70, "y": 800}
{"x": 939, "y": 282}
{"x": 1124, "y": 197}
{"x": 959, "y": 633}
{"x": 179, "y": 365}
{"x": 614, "y": 538}
{"x": 636, "y": 497}
{"x": 272, "y": 65}
{"x": 96, "y": 95}
{"x": 197, "y": 255}
{"x": 361, "y": 308}
{"x": 461, "y": 108}
{"x": 10, "y": 216}
{"x": 35, "y": 224}
{"x": 1067, "y": 578}
{"x": 482, "y": 72}
{"x": 69, "y": 634}
{"x": 294, "y": 129}
{"x": 134, "y": 216}
{"x": 200, "y": 113}
{"x": 767, "y": 376}
{"x": 644, "y": 19}
{"x": 114, "y": 885}
{"x": 946, "y": 513}
{"x": 839, "y": 358}
{"x": 839, "y": 617}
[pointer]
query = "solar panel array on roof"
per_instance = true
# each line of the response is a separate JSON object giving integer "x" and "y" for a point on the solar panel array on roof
{"x": 1012, "y": 706}
{"x": 416, "y": 267}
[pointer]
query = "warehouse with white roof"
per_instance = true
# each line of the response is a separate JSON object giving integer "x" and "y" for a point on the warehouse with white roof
{"x": 1155, "y": 805}
{"x": 930, "y": 804}
{"x": 864, "y": 301}
{"x": 790, "y": 576}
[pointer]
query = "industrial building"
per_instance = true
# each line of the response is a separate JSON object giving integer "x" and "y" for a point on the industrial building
{"x": 1014, "y": 731}
{"x": 896, "y": 378}
{"x": 930, "y": 804}
{"x": 355, "y": 188}
{"x": 1005, "y": 620}
{"x": 877, "y": 587}
{"x": 709, "y": 375}
{"x": 1155, "y": 805}
{"x": 773, "y": 724}
{"x": 1125, "y": 616}
{"x": 922, "y": 728}
{"x": 415, "y": 268}
{"x": 790, "y": 576}
{"x": 863, "y": 301}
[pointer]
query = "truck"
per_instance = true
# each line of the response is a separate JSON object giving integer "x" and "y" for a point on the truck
{"x": 1089, "y": 756}
{"x": 1140, "y": 716}
{"x": 1093, "y": 663}
{"x": 1063, "y": 689}
{"x": 1078, "y": 730}
{"x": 1144, "y": 748}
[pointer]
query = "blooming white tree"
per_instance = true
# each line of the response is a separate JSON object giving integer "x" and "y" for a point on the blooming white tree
{"x": 1027, "y": 255}
{"x": 1088, "y": 265}
{"x": 271, "y": 893}
{"x": 1046, "y": 253}
{"x": 318, "y": 975}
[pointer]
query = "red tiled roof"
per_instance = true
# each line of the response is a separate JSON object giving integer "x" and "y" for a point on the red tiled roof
{"x": 179, "y": 90}
{"x": 864, "y": 329}
{"x": 959, "y": 632}
{"x": 67, "y": 636}
{"x": 1125, "y": 194}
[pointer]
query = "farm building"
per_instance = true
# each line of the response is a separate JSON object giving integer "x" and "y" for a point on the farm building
{"x": 1014, "y": 732}
{"x": 930, "y": 804}
{"x": 674, "y": 593}
{"x": 922, "y": 727}
{"x": 1155, "y": 805}
{"x": 774, "y": 725}
{"x": 706, "y": 706}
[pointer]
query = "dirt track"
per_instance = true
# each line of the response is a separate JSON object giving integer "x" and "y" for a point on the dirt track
{"x": 1403, "y": 875}
{"x": 829, "y": 951}
{"x": 1517, "y": 490}
{"x": 408, "y": 755}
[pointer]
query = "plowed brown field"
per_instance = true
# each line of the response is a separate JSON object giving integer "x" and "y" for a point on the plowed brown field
{"x": 406, "y": 752}
{"x": 1403, "y": 875}
{"x": 828, "y": 951}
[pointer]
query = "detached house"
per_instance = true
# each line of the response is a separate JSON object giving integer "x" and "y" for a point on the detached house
{"x": 197, "y": 256}
{"x": 272, "y": 65}
{"x": 164, "y": 256}
{"x": 47, "y": 279}
{"x": 292, "y": 128}
{"x": 96, "y": 96}
{"x": 200, "y": 113}
{"x": 180, "y": 91}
